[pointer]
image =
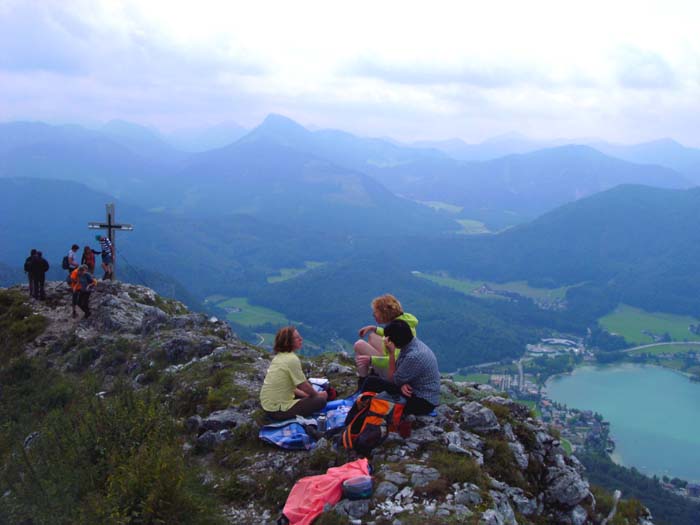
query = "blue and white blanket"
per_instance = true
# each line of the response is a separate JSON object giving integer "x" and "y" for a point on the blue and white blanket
{"x": 291, "y": 434}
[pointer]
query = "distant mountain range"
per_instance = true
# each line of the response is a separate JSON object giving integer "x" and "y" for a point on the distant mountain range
{"x": 526, "y": 185}
{"x": 332, "y": 180}
{"x": 664, "y": 152}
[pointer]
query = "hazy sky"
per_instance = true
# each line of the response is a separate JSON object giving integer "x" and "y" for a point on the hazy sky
{"x": 622, "y": 70}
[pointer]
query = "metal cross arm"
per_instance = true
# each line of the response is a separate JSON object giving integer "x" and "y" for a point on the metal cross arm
{"x": 107, "y": 226}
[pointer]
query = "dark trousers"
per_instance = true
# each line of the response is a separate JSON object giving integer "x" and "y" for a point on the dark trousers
{"x": 304, "y": 407}
{"x": 414, "y": 405}
{"x": 84, "y": 302}
{"x": 30, "y": 277}
{"x": 36, "y": 287}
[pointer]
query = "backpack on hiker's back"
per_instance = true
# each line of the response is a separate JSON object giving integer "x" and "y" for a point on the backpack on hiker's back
{"x": 370, "y": 420}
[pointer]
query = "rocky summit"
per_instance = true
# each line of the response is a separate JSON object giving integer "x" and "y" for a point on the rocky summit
{"x": 148, "y": 413}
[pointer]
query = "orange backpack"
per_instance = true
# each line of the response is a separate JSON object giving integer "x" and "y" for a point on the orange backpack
{"x": 370, "y": 420}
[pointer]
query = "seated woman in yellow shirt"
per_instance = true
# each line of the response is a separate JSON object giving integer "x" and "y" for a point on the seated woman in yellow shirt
{"x": 286, "y": 393}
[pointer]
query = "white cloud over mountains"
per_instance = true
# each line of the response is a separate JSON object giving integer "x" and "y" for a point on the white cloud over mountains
{"x": 627, "y": 71}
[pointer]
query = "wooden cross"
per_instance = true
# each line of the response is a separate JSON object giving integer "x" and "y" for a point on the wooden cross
{"x": 111, "y": 226}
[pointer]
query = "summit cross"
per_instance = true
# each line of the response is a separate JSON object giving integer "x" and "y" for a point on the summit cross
{"x": 111, "y": 226}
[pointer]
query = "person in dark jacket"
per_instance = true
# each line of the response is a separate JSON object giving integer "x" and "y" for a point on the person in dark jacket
{"x": 414, "y": 375}
{"x": 39, "y": 267}
{"x": 28, "y": 271}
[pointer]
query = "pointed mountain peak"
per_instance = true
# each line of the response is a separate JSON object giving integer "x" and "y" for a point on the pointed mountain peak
{"x": 280, "y": 123}
{"x": 281, "y": 130}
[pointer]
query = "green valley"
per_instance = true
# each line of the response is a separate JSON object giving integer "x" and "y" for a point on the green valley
{"x": 482, "y": 288}
{"x": 240, "y": 311}
{"x": 638, "y": 326}
{"x": 291, "y": 273}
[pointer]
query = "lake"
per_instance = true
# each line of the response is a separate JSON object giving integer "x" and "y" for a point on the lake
{"x": 654, "y": 414}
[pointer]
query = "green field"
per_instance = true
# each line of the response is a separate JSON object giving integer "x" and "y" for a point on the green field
{"x": 467, "y": 286}
{"x": 249, "y": 315}
{"x": 472, "y": 227}
{"x": 629, "y": 322}
{"x": 472, "y": 378}
{"x": 290, "y": 273}
{"x": 679, "y": 348}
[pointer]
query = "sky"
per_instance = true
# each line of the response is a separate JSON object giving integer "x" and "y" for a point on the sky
{"x": 619, "y": 70}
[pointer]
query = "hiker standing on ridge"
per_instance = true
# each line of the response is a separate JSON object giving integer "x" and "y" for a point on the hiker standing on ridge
{"x": 39, "y": 267}
{"x": 88, "y": 258}
{"x": 373, "y": 353}
{"x": 108, "y": 255}
{"x": 285, "y": 392}
{"x": 74, "y": 282}
{"x": 72, "y": 258}
{"x": 414, "y": 374}
{"x": 87, "y": 285}
{"x": 28, "y": 271}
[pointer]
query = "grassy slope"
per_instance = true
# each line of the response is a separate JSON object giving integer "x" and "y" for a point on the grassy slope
{"x": 468, "y": 286}
{"x": 250, "y": 315}
{"x": 629, "y": 322}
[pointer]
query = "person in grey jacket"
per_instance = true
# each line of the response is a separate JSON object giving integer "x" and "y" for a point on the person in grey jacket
{"x": 414, "y": 375}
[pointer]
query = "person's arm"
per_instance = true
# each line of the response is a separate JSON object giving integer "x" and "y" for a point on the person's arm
{"x": 366, "y": 329}
{"x": 309, "y": 391}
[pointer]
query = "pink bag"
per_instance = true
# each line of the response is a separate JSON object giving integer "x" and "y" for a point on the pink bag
{"x": 309, "y": 495}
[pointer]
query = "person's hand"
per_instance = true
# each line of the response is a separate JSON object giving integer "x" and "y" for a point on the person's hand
{"x": 406, "y": 390}
{"x": 363, "y": 360}
{"x": 365, "y": 329}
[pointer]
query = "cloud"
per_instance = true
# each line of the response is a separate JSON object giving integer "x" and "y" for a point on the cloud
{"x": 641, "y": 69}
{"x": 37, "y": 37}
{"x": 473, "y": 74}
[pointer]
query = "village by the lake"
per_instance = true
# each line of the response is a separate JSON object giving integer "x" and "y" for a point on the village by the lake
{"x": 580, "y": 428}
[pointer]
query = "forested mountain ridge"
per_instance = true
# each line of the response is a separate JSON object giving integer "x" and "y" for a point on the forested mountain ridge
{"x": 640, "y": 243}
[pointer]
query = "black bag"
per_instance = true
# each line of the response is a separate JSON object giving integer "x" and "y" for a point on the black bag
{"x": 65, "y": 264}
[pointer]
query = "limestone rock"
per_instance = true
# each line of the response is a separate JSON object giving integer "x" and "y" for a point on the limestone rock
{"x": 221, "y": 419}
{"x": 386, "y": 489}
{"x": 479, "y": 418}
{"x": 565, "y": 487}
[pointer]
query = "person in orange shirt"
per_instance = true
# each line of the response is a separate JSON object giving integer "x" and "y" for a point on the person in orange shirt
{"x": 75, "y": 286}
{"x": 82, "y": 283}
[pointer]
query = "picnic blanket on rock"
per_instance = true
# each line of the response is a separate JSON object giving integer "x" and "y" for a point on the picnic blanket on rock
{"x": 309, "y": 495}
{"x": 289, "y": 434}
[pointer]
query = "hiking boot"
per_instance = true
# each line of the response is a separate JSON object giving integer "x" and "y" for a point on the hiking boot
{"x": 75, "y": 314}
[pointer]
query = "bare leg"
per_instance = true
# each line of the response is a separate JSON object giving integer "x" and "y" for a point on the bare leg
{"x": 377, "y": 342}
{"x": 362, "y": 347}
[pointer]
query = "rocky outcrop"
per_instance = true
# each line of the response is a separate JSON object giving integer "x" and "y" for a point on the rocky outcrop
{"x": 482, "y": 459}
